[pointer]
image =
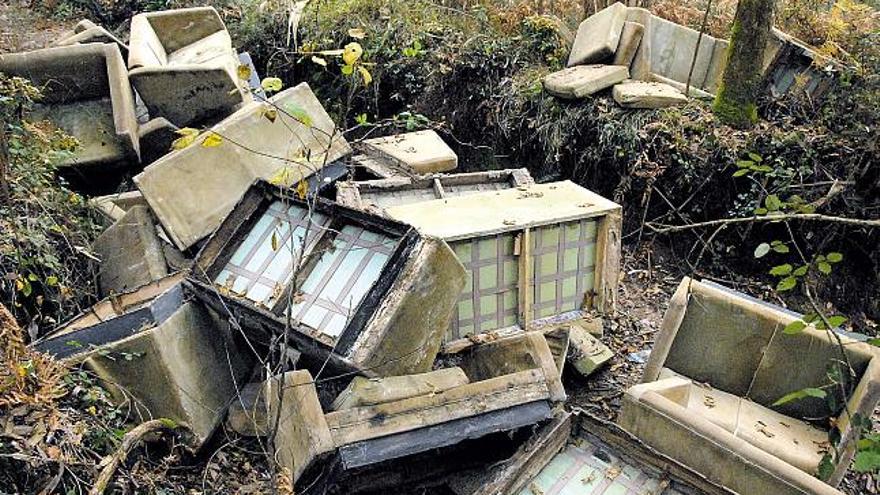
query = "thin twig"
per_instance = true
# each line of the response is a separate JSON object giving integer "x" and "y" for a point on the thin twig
{"x": 813, "y": 217}
{"x": 129, "y": 441}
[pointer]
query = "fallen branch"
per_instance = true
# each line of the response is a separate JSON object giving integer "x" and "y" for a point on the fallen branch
{"x": 129, "y": 441}
{"x": 810, "y": 217}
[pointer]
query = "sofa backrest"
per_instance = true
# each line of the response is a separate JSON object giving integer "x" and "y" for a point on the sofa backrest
{"x": 154, "y": 35}
{"x": 736, "y": 343}
{"x": 66, "y": 73}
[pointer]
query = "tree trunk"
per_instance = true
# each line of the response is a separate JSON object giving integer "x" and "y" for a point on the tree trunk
{"x": 736, "y": 102}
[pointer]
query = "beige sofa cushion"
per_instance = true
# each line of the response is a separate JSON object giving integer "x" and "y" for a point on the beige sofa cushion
{"x": 209, "y": 50}
{"x": 794, "y": 441}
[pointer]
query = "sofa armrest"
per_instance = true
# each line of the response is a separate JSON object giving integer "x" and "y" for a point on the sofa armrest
{"x": 144, "y": 47}
{"x": 668, "y": 329}
{"x": 863, "y": 401}
{"x": 122, "y": 98}
{"x": 302, "y": 435}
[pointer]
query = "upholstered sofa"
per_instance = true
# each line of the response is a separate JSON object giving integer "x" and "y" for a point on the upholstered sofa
{"x": 183, "y": 66}
{"x": 87, "y": 94}
{"x": 720, "y": 362}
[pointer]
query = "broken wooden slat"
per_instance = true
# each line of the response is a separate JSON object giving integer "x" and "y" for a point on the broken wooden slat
{"x": 363, "y": 423}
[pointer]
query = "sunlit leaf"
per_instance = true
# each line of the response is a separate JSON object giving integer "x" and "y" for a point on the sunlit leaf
{"x": 801, "y": 394}
{"x": 744, "y": 164}
{"x": 357, "y": 33}
{"x": 781, "y": 270}
{"x": 272, "y": 84}
{"x": 347, "y": 70}
{"x": 786, "y": 284}
{"x": 299, "y": 114}
{"x": 867, "y": 461}
{"x": 51, "y": 280}
{"x": 781, "y": 248}
{"x": 212, "y": 140}
{"x": 187, "y": 137}
{"x": 834, "y": 257}
{"x": 741, "y": 172}
{"x": 368, "y": 78}
{"x": 836, "y": 321}
{"x": 801, "y": 271}
{"x": 824, "y": 267}
{"x": 794, "y": 327}
{"x": 302, "y": 188}
{"x": 319, "y": 60}
{"x": 762, "y": 250}
{"x": 244, "y": 72}
{"x": 755, "y": 157}
{"x": 772, "y": 202}
{"x": 352, "y": 53}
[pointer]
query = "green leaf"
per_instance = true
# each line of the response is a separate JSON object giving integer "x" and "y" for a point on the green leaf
{"x": 762, "y": 250}
{"x": 760, "y": 211}
{"x": 744, "y": 164}
{"x": 801, "y": 394}
{"x": 756, "y": 157}
{"x": 874, "y": 342}
{"x": 272, "y": 84}
{"x": 824, "y": 267}
{"x": 781, "y": 270}
{"x": 51, "y": 280}
{"x": 786, "y": 284}
{"x": 741, "y": 172}
{"x": 299, "y": 114}
{"x": 834, "y": 257}
{"x": 772, "y": 202}
{"x": 836, "y": 321}
{"x": 867, "y": 461}
{"x": 826, "y": 467}
{"x": 794, "y": 327}
{"x": 347, "y": 69}
{"x": 801, "y": 271}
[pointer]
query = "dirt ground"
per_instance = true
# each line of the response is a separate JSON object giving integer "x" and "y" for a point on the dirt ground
{"x": 24, "y": 28}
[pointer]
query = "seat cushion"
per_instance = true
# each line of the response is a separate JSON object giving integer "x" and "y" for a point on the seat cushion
{"x": 91, "y": 123}
{"x": 216, "y": 48}
{"x": 794, "y": 441}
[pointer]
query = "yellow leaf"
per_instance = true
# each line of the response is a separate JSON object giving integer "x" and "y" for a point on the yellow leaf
{"x": 92, "y": 410}
{"x": 244, "y": 72}
{"x": 22, "y": 371}
{"x": 352, "y": 52}
{"x": 272, "y": 84}
{"x": 368, "y": 78}
{"x": 320, "y": 61}
{"x": 187, "y": 137}
{"x": 274, "y": 241}
{"x": 302, "y": 189}
{"x": 357, "y": 33}
{"x": 212, "y": 140}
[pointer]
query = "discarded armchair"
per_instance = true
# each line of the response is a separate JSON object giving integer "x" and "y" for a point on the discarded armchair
{"x": 183, "y": 66}
{"x": 86, "y": 93}
{"x": 720, "y": 362}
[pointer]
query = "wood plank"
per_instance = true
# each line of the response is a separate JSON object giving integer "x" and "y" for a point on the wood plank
{"x": 363, "y": 423}
{"x": 525, "y": 278}
{"x": 607, "y": 268}
{"x": 381, "y": 449}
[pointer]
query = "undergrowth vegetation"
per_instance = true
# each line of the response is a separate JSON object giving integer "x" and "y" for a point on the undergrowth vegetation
{"x": 46, "y": 229}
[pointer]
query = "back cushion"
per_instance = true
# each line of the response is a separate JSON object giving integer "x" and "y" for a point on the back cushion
{"x": 720, "y": 340}
{"x": 64, "y": 74}
{"x": 795, "y": 362}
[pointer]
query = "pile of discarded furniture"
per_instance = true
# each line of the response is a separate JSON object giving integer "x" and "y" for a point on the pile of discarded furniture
{"x": 417, "y": 321}
{"x": 650, "y": 62}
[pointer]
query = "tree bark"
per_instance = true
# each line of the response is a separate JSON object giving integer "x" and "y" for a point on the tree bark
{"x": 736, "y": 101}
